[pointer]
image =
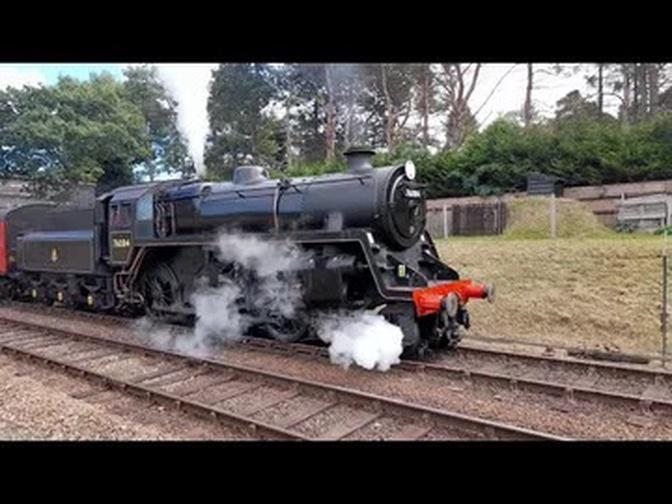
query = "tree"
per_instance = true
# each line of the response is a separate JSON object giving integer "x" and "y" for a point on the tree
{"x": 325, "y": 114}
{"x": 425, "y": 99}
{"x": 527, "y": 107}
{"x": 638, "y": 87}
{"x": 304, "y": 95}
{"x": 575, "y": 106}
{"x": 458, "y": 82}
{"x": 239, "y": 126}
{"x": 169, "y": 152}
{"x": 388, "y": 101}
{"x": 664, "y": 101}
{"x": 72, "y": 132}
{"x": 529, "y": 112}
{"x": 601, "y": 80}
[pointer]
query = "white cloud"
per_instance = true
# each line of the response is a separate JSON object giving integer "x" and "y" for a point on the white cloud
{"x": 18, "y": 76}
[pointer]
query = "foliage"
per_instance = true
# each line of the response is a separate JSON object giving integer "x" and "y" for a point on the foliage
{"x": 240, "y": 130}
{"x": 72, "y": 132}
{"x": 625, "y": 227}
{"x": 666, "y": 231}
{"x": 297, "y": 119}
{"x": 169, "y": 151}
{"x": 311, "y": 169}
{"x": 581, "y": 150}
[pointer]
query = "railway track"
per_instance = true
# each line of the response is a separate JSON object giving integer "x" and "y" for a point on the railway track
{"x": 647, "y": 389}
{"x": 273, "y": 405}
{"x": 632, "y": 385}
{"x": 577, "y": 379}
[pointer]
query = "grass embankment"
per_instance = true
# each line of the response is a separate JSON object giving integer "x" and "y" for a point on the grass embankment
{"x": 599, "y": 292}
{"x": 530, "y": 218}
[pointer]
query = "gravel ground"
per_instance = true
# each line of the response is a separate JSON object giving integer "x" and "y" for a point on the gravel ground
{"x": 323, "y": 422}
{"x": 255, "y": 399}
{"x": 282, "y": 411}
{"x": 377, "y": 430}
{"x": 37, "y": 403}
{"x": 31, "y": 411}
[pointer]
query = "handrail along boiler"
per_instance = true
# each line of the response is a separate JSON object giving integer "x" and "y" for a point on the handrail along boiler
{"x": 150, "y": 246}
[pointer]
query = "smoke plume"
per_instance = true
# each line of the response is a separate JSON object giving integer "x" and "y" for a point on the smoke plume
{"x": 189, "y": 84}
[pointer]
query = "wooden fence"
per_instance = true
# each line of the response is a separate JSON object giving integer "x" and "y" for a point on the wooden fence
{"x": 467, "y": 219}
{"x": 602, "y": 200}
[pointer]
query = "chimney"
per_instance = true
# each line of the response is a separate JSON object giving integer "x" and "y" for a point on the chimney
{"x": 359, "y": 159}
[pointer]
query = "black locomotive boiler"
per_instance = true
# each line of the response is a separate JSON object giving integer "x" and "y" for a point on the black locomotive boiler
{"x": 150, "y": 247}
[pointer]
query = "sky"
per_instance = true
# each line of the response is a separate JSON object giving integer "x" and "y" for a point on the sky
{"x": 509, "y": 80}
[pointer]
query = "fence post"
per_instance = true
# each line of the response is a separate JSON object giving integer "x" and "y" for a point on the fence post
{"x": 445, "y": 221}
{"x": 663, "y": 314}
{"x": 553, "y": 217}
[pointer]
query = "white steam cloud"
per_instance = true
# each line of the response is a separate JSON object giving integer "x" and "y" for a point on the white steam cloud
{"x": 273, "y": 287}
{"x": 224, "y": 314}
{"x": 366, "y": 339}
{"x": 189, "y": 84}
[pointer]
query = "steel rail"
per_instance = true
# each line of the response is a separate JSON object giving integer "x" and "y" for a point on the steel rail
{"x": 464, "y": 424}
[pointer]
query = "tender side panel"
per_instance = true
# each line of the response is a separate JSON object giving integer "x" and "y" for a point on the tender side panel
{"x": 3, "y": 249}
{"x": 63, "y": 251}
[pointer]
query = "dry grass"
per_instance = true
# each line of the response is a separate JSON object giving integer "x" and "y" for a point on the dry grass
{"x": 597, "y": 292}
{"x": 530, "y": 218}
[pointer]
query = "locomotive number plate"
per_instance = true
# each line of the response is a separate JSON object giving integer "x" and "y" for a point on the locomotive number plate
{"x": 121, "y": 242}
{"x": 121, "y": 246}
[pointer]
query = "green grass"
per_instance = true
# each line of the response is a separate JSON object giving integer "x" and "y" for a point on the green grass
{"x": 529, "y": 218}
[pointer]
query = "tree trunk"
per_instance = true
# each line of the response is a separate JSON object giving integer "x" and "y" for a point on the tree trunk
{"x": 627, "y": 96}
{"x": 330, "y": 127}
{"x": 527, "y": 108}
{"x": 654, "y": 88}
{"x": 351, "y": 132}
{"x": 390, "y": 117}
{"x": 637, "y": 92}
{"x": 600, "y": 88}
{"x": 458, "y": 101}
{"x": 288, "y": 130}
{"x": 424, "y": 90}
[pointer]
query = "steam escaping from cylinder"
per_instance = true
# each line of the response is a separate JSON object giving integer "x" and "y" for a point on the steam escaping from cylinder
{"x": 227, "y": 312}
{"x": 189, "y": 84}
{"x": 273, "y": 265}
{"x": 365, "y": 339}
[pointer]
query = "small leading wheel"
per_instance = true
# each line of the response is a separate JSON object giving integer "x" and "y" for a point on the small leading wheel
{"x": 286, "y": 330}
{"x": 418, "y": 351}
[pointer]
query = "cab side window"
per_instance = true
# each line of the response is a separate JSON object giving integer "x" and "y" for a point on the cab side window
{"x": 125, "y": 215}
{"x": 144, "y": 210}
{"x": 120, "y": 215}
{"x": 115, "y": 216}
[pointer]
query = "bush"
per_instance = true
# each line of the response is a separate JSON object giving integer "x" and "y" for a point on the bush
{"x": 581, "y": 150}
{"x": 309, "y": 169}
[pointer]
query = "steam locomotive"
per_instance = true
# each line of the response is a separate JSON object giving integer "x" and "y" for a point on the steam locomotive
{"x": 149, "y": 248}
